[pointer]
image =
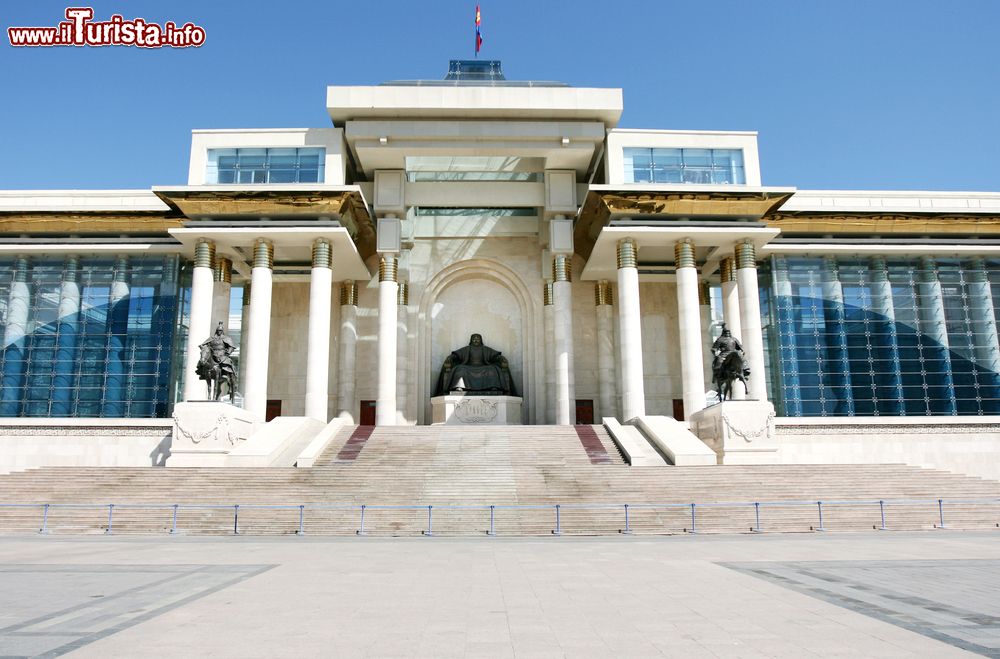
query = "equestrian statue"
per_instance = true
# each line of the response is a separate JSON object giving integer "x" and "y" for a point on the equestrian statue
{"x": 728, "y": 364}
{"x": 216, "y": 366}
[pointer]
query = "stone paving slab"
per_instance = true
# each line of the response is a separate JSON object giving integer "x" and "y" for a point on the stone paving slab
{"x": 689, "y": 596}
{"x": 955, "y": 601}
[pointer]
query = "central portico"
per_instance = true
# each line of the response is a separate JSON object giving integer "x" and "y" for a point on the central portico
{"x": 496, "y": 209}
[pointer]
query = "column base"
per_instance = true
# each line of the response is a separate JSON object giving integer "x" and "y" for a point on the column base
{"x": 739, "y": 431}
{"x": 473, "y": 409}
{"x": 206, "y": 431}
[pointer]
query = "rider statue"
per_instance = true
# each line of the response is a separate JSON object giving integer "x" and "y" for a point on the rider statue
{"x": 216, "y": 365}
{"x": 723, "y": 347}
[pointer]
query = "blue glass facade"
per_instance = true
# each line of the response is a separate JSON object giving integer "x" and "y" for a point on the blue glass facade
{"x": 87, "y": 336}
{"x": 877, "y": 336}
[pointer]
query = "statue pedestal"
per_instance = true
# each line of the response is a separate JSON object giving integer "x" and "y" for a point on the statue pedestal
{"x": 476, "y": 410}
{"x": 740, "y": 432}
{"x": 205, "y": 431}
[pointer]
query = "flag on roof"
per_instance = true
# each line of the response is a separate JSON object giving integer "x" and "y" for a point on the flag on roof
{"x": 479, "y": 35}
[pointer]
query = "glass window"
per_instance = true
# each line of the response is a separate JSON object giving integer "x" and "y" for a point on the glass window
{"x": 865, "y": 337}
{"x": 258, "y": 166}
{"x": 701, "y": 166}
{"x": 97, "y": 344}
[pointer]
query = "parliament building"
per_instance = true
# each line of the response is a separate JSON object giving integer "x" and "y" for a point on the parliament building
{"x": 349, "y": 263}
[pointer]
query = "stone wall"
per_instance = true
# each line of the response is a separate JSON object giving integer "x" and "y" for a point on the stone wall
{"x": 965, "y": 445}
{"x": 31, "y": 443}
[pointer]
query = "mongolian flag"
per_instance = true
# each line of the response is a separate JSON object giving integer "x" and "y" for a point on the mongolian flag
{"x": 479, "y": 35}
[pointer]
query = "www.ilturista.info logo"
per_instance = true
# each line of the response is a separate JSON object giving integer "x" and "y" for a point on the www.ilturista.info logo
{"x": 79, "y": 29}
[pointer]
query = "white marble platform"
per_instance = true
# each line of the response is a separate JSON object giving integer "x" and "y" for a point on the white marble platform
{"x": 472, "y": 409}
{"x": 205, "y": 432}
{"x": 739, "y": 431}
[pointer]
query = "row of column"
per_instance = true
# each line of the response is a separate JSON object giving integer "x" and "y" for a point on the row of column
{"x": 210, "y": 288}
{"x": 741, "y": 308}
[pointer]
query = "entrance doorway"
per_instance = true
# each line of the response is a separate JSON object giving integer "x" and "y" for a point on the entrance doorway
{"x": 585, "y": 412}
{"x": 367, "y": 416}
{"x": 272, "y": 410}
{"x": 679, "y": 409}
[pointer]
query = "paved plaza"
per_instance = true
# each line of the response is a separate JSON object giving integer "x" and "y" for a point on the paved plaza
{"x": 930, "y": 594}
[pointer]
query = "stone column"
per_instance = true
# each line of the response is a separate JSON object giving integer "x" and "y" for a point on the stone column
{"x": 562, "y": 338}
{"x": 605, "y": 350}
{"x": 200, "y": 323}
{"x": 318, "y": 346}
{"x": 890, "y": 397}
{"x": 259, "y": 329}
{"x": 402, "y": 361}
{"x": 15, "y": 338}
{"x": 562, "y": 303}
{"x": 751, "y": 329}
{"x": 787, "y": 346}
{"x": 934, "y": 337}
{"x": 689, "y": 320}
{"x": 113, "y": 403}
{"x": 550, "y": 354}
{"x": 223, "y": 277}
{"x": 388, "y": 296}
{"x": 705, "y": 316}
{"x": 731, "y": 309}
{"x": 66, "y": 340}
{"x": 244, "y": 335}
{"x": 348, "y": 351}
{"x": 630, "y": 339}
{"x": 838, "y": 357}
{"x": 986, "y": 344}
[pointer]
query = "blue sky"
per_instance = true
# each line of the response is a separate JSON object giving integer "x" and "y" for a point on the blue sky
{"x": 847, "y": 94}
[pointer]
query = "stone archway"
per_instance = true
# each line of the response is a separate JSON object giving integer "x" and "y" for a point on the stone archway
{"x": 484, "y": 296}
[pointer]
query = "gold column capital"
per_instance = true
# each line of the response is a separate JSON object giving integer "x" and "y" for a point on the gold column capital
{"x": 322, "y": 253}
{"x": 403, "y": 294}
{"x": 704, "y": 293}
{"x": 223, "y": 270}
{"x": 349, "y": 293}
{"x": 684, "y": 254}
{"x": 388, "y": 268}
{"x": 628, "y": 253}
{"x": 204, "y": 253}
{"x": 547, "y": 294}
{"x": 746, "y": 255}
{"x": 562, "y": 268}
{"x": 263, "y": 254}
{"x": 727, "y": 269}
{"x": 602, "y": 293}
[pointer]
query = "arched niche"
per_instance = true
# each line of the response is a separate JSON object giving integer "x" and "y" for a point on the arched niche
{"x": 484, "y": 296}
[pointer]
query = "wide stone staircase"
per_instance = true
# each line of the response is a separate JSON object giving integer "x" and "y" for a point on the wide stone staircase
{"x": 522, "y": 472}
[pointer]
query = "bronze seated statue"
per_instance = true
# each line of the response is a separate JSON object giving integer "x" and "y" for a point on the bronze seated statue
{"x": 476, "y": 369}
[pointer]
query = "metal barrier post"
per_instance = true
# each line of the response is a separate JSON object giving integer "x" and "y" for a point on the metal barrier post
{"x": 302, "y": 513}
{"x": 628, "y": 528}
{"x": 492, "y": 530}
{"x": 756, "y": 513}
{"x": 819, "y": 506}
{"x": 173, "y": 525}
{"x": 694, "y": 528}
{"x": 45, "y": 520}
{"x": 558, "y": 529}
{"x": 430, "y": 521}
{"x": 111, "y": 512}
{"x": 361, "y": 531}
{"x": 941, "y": 514}
{"x": 881, "y": 510}
{"x": 236, "y": 519}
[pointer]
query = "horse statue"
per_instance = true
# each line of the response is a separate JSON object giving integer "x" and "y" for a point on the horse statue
{"x": 731, "y": 369}
{"x": 215, "y": 365}
{"x": 728, "y": 364}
